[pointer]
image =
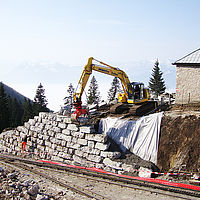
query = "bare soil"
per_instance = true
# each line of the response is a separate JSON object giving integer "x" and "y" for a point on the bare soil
{"x": 179, "y": 146}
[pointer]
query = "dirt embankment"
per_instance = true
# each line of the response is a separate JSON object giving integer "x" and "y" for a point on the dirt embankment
{"x": 179, "y": 146}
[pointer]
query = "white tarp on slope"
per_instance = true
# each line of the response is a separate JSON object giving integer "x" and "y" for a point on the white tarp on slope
{"x": 140, "y": 137}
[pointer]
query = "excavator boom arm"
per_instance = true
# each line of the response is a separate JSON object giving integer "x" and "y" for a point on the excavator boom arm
{"x": 103, "y": 68}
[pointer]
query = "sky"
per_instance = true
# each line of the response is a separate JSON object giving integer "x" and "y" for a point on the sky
{"x": 49, "y": 41}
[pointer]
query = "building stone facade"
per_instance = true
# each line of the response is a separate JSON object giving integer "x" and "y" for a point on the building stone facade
{"x": 188, "y": 78}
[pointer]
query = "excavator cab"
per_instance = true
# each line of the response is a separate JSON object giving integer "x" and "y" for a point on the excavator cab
{"x": 137, "y": 93}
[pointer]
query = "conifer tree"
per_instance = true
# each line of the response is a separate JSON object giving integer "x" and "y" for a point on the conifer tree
{"x": 115, "y": 88}
{"x": 16, "y": 114}
{"x": 28, "y": 110}
{"x": 93, "y": 92}
{"x": 69, "y": 99}
{"x": 40, "y": 101}
{"x": 4, "y": 109}
{"x": 14, "y": 108}
{"x": 156, "y": 82}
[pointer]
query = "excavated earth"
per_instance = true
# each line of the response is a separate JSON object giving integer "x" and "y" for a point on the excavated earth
{"x": 179, "y": 143}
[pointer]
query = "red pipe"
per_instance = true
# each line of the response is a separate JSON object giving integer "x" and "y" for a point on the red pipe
{"x": 151, "y": 180}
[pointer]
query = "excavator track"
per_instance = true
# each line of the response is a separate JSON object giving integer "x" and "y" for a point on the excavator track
{"x": 134, "y": 109}
{"x": 119, "y": 108}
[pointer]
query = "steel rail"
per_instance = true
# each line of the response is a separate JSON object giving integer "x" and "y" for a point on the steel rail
{"x": 109, "y": 176}
{"x": 63, "y": 183}
{"x": 114, "y": 183}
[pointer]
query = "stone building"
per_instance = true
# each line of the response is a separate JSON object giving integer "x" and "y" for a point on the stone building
{"x": 188, "y": 78}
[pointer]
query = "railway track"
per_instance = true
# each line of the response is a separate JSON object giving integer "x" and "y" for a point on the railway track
{"x": 97, "y": 177}
{"x": 58, "y": 180}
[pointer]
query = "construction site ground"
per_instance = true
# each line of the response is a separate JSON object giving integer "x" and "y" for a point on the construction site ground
{"x": 179, "y": 150}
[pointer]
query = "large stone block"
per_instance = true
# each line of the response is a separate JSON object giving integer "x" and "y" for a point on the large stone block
{"x": 40, "y": 136}
{"x": 57, "y": 141}
{"x": 82, "y": 141}
{"x": 94, "y": 158}
{"x": 27, "y": 125}
{"x": 128, "y": 168}
{"x": 62, "y": 125}
{"x": 59, "y": 148}
{"x": 144, "y": 172}
{"x": 17, "y": 148}
{"x": 46, "y": 137}
{"x": 96, "y": 137}
{"x": 72, "y": 127}
{"x": 112, "y": 164}
{"x": 111, "y": 155}
{"x": 57, "y": 158}
{"x": 48, "y": 127}
{"x": 45, "y": 121}
{"x": 71, "y": 151}
{"x": 78, "y": 159}
{"x": 68, "y": 138}
{"x": 63, "y": 143}
{"x": 87, "y": 129}
{"x": 35, "y": 134}
{"x": 52, "y": 140}
{"x": 99, "y": 165}
{"x": 43, "y": 115}
{"x": 78, "y": 134}
{"x": 17, "y": 133}
{"x": 74, "y": 139}
{"x": 79, "y": 153}
{"x": 95, "y": 152}
{"x": 67, "y": 120}
{"x": 52, "y": 117}
{"x": 101, "y": 146}
{"x": 20, "y": 128}
{"x": 41, "y": 142}
{"x": 49, "y": 150}
{"x": 59, "y": 118}
{"x": 32, "y": 122}
{"x": 59, "y": 136}
{"x": 51, "y": 133}
{"x": 91, "y": 144}
{"x": 57, "y": 130}
{"x": 66, "y": 132}
{"x": 64, "y": 155}
{"x": 88, "y": 150}
{"x": 54, "y": 146}
{"x": 73, "y": 145}
{"x": 36, "y": 118}
{"x": 47, "y": 143}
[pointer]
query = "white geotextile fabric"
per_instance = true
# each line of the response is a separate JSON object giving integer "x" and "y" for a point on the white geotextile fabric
{"x": 140, "y": 137}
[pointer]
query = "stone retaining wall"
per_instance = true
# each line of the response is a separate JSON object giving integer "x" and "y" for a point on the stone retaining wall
{"x": 55, "y": 137}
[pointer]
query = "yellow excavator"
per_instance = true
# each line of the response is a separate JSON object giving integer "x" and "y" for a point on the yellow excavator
{"x": 134, "y": 93}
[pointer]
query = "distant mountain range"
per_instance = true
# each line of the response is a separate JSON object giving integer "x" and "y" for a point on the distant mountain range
{"x": 13, "y": 93}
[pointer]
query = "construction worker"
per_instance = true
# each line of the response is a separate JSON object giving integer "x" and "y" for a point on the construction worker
{"x": 24, "y": 141}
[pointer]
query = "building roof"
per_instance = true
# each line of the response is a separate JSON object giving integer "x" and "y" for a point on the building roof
{"x": 191, "y": 59}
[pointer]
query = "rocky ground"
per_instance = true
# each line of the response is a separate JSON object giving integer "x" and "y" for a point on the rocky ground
{"x": 16, "y": 184}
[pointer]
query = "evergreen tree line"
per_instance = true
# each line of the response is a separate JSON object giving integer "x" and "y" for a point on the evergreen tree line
{"x": 156, "y": 86}
{"x": 14, "y": 113}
